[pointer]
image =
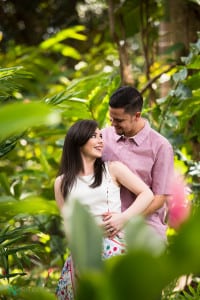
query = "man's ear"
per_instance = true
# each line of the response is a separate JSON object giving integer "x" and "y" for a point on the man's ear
{"x": 138, "y": 114}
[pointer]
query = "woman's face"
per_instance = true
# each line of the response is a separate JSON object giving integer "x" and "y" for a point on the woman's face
{"x": 94, "y": 146}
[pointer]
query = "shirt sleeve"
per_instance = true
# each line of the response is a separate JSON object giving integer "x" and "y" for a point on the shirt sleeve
{"x": 163, "y": 170}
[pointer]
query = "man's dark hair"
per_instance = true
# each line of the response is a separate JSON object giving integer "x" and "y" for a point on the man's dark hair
{"x": 127, "y": 97}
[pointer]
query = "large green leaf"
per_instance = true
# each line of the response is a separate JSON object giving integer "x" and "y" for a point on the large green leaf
{"x": 184, "y": 248}
{"x": 85, "y": 239}
{"x": 139, "y": 275}
{"x": 17, "y": 117}
{"x": 30, "y": 205}
{"x": 140, "y": 236}
{"x": 94, "y": 285}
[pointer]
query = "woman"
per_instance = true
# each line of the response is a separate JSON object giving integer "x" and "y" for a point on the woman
{"x": 84, "y": 176}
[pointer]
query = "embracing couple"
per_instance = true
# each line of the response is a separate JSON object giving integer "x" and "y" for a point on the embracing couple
{"x": 117, "y": 172}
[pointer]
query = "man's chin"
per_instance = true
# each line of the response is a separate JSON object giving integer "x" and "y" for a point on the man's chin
{"x": 119, "y": 131}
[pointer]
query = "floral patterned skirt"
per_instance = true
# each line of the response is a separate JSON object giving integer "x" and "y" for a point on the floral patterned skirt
{"x": 113, "y": 247}
{"x": 66, "y": 285}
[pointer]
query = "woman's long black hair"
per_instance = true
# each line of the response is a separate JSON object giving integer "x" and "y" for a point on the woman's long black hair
{"x": 71, "y": 161}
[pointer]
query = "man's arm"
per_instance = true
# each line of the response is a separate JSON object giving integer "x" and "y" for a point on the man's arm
{"x": 158, "y": 202}
{"x": 162, "y": 174}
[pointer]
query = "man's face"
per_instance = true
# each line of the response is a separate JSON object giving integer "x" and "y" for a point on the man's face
{"x": 124, "y": 123}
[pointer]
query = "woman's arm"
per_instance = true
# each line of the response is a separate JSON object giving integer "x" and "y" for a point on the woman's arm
{"x": 132, "y": 182}
{"x": 57, "y": 191}
{"x": 122, "y": 175}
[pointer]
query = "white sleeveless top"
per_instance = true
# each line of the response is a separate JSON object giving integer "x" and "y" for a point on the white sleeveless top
{"x": 98, "y": 200}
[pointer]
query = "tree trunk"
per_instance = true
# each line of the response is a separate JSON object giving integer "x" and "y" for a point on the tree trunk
{"x": 125, "y": 65}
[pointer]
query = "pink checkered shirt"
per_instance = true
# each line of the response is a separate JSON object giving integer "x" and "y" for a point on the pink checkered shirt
{"x": 149, "y": 155}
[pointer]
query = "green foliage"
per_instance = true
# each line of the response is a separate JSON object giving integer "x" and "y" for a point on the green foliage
{"x": 22, "y": 293}
{"x": 179, "y": 115}
{"x": 33, "y": 114}
{"x": 124, "y": 277}
{"x": 43, "y": 90}
{"x": 183, "y": 98}
{"x": 30, "y": 225}
{"x": 54, "y": 43}
{"x": 191, "y": 294}
{"x": 11, "y": 207}
{"x": 11, "y": 244}
{"x": 10, "y": 80}
{"x": 8, "y": 144}
{"x": 86, "y": 97}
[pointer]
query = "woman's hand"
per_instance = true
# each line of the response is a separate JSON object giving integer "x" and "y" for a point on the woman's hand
{"x": 113, "y": 223}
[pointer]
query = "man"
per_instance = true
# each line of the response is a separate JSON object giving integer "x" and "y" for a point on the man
{"x": 131, "y": 140}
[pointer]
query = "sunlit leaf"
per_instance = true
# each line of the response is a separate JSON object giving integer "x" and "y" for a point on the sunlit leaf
{"x": 64, "y": 34}
{"x": 195, "y": 63}
{"x": 18, "y": 117}
{"x": 66, "y": 51}
{"x": 30, "y": 205}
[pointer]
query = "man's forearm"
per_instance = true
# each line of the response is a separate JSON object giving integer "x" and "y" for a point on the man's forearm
{"x": 158, "y": 202}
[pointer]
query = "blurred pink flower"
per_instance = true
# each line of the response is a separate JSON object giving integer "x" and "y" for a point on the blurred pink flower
{"x": 178, "y": 206}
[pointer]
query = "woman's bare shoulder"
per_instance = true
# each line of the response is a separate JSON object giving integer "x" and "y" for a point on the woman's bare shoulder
{"x": 115, "y": 167}
{"x": 58, "y": 180}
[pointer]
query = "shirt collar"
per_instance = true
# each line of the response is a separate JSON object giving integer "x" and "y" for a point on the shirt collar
{"x": 139, "y": 137}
